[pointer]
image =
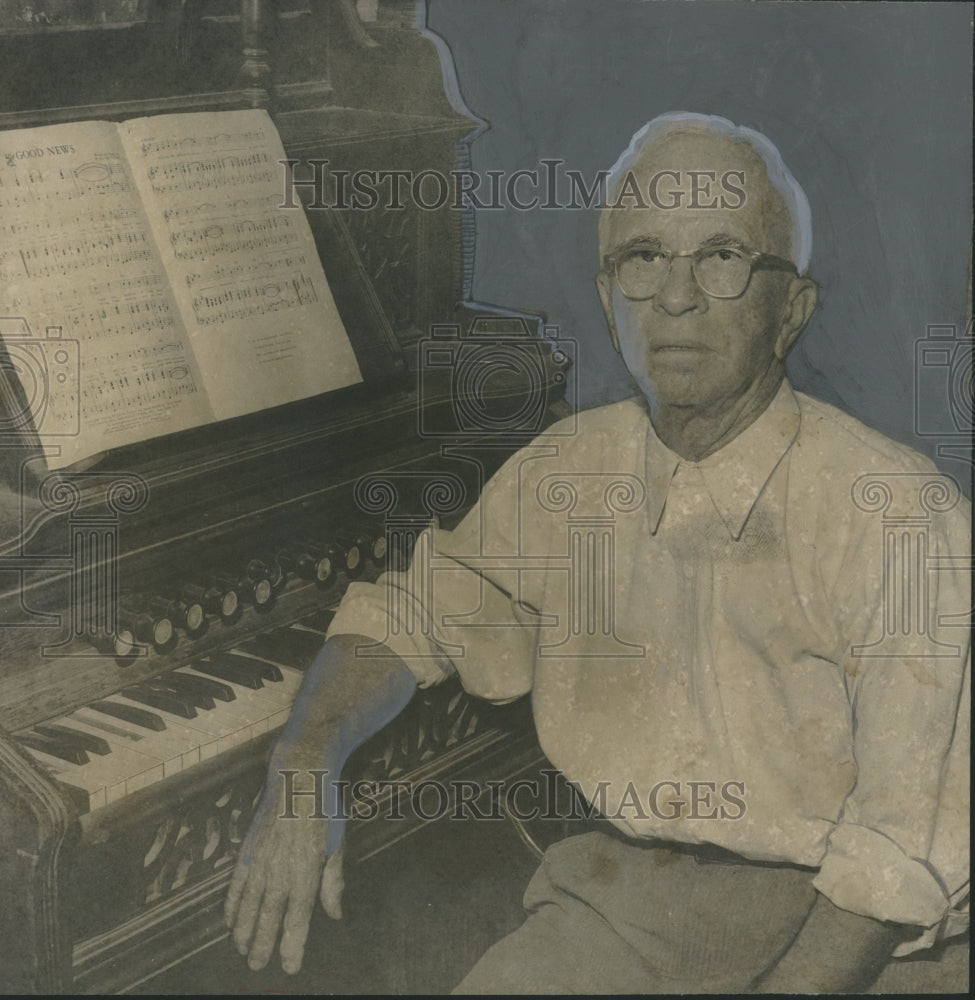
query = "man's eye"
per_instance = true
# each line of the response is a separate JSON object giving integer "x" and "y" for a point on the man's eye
{"x": 647, "y": 256}
{"x": 726, "y": 255}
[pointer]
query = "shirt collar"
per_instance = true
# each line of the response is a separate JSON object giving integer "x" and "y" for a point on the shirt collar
{"x": 736, "y": 474}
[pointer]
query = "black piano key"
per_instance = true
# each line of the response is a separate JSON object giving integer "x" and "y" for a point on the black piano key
{"x": 188, "y": 683}
{"x": 107, "y": 727}
{"x": 165, "y": 701}
{"x": 242, "y": 673}
{"x": 270, "y": 671}
{"x": 194, "y": 698}
{"x": 286, "y": 645}
{"x": 84, "y": 741}
{"x": 266, "y": 671}
{"x": 129, "y": 713}
{"x": 53, "y": 747}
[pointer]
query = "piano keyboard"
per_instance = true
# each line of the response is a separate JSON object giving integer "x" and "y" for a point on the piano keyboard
{"x": 166, "y": 724}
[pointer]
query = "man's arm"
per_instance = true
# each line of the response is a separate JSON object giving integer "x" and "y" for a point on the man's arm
{"x": 834, "y": 952}
{"x": 900, "y": 846}
{"x": 343, "y": 701}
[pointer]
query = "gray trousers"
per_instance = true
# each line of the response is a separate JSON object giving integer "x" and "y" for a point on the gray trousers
{"x": 608, "y": 915}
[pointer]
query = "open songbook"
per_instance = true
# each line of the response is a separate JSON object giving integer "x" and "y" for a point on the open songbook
{"x": 150, "y": 280}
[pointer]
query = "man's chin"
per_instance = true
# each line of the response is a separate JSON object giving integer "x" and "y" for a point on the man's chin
{"x": 675, "y": 387}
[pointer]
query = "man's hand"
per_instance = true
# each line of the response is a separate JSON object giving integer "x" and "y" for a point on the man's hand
{"x": 282, "y": 864}
{"x": 279, "y": 873}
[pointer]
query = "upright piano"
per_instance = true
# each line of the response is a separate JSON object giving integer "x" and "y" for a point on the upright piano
{"x": 135, "y": 724}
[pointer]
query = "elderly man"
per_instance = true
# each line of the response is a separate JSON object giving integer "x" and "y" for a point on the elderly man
{"x": 748, "y": 657}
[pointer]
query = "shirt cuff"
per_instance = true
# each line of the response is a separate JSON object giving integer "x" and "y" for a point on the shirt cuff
{"x": 865, "y": 872}
{"x": 364, "y": 611}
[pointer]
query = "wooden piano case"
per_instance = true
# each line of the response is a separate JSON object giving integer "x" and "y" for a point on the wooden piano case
{"x": 101, "y": 901}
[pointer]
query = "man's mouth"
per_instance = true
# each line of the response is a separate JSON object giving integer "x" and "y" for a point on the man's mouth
{"x": 660, "y": 348}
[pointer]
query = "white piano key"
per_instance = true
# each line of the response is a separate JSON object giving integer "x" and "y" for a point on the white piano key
{"x": 283, "y": 692}
{"x": 210, "y": 733}
{"x": 248, "y": 707}
{"x": 121, "y": 774}
{"x": 262, "y": 709}
{"x": 141, "y": 757}
{"x": 259, "y": 704}
{"x": 124, "y": 759}
{"x": 122, "y": 730}
{"x": 78, "y": 776}
{"x": 173, "y": 749}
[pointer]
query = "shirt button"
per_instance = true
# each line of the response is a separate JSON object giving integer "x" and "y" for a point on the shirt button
{"x": 688, "y": 570}
{"x": 681, "y": 677}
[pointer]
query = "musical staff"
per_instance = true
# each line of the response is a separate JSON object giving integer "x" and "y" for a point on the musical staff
{"x": 235, "y": 273}
{"x": 79, "y": 254}
{"x": 239, "y": 263}
{"x": 179, "y": 146}
{"x": 158, "y": 249}
{"x": 131, "y": 380}
{"x": 234, "y": 303}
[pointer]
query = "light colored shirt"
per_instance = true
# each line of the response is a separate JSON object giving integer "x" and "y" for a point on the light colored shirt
{"x": 755, "y": 651}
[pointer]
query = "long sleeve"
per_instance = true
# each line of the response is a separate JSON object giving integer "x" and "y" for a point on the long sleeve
{"x": 458, "y": 608}
{"x": 900, "y": 849}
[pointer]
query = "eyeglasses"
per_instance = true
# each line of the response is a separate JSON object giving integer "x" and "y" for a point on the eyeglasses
{"x": 723, "y": 272}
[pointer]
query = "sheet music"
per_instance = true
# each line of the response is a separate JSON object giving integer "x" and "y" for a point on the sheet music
{"x": 246, "y": 273}
{"x": 78, "y": 263}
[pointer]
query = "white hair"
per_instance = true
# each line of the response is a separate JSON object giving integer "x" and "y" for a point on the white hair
{"x": 779, "y": 174}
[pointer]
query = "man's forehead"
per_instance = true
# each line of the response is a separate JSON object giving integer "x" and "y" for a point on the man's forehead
{"x": 692, "y": 186}
{"x": 682, "y": 230}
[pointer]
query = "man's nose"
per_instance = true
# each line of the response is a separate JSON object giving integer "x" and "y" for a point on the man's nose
{"x": 680, "y": 292}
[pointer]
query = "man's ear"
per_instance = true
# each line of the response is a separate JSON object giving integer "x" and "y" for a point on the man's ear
{"x": 604, "y": 286}
{"x": 799, "y": 307}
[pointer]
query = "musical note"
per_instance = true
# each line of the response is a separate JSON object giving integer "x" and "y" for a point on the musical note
{"x": 79, "y": 254}
{"x": 159, "y": 248}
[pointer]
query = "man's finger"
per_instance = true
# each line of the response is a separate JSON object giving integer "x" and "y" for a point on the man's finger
{"x": 250, "y": 902}
{"x": 295, "y": 930}
{"x": 333, "y": 882}
{"x": 237, "y": 882}
{"x": 266, "y": 932}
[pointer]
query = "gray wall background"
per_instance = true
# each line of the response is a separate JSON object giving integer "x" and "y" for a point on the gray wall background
{"x": 870, "y": 104}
